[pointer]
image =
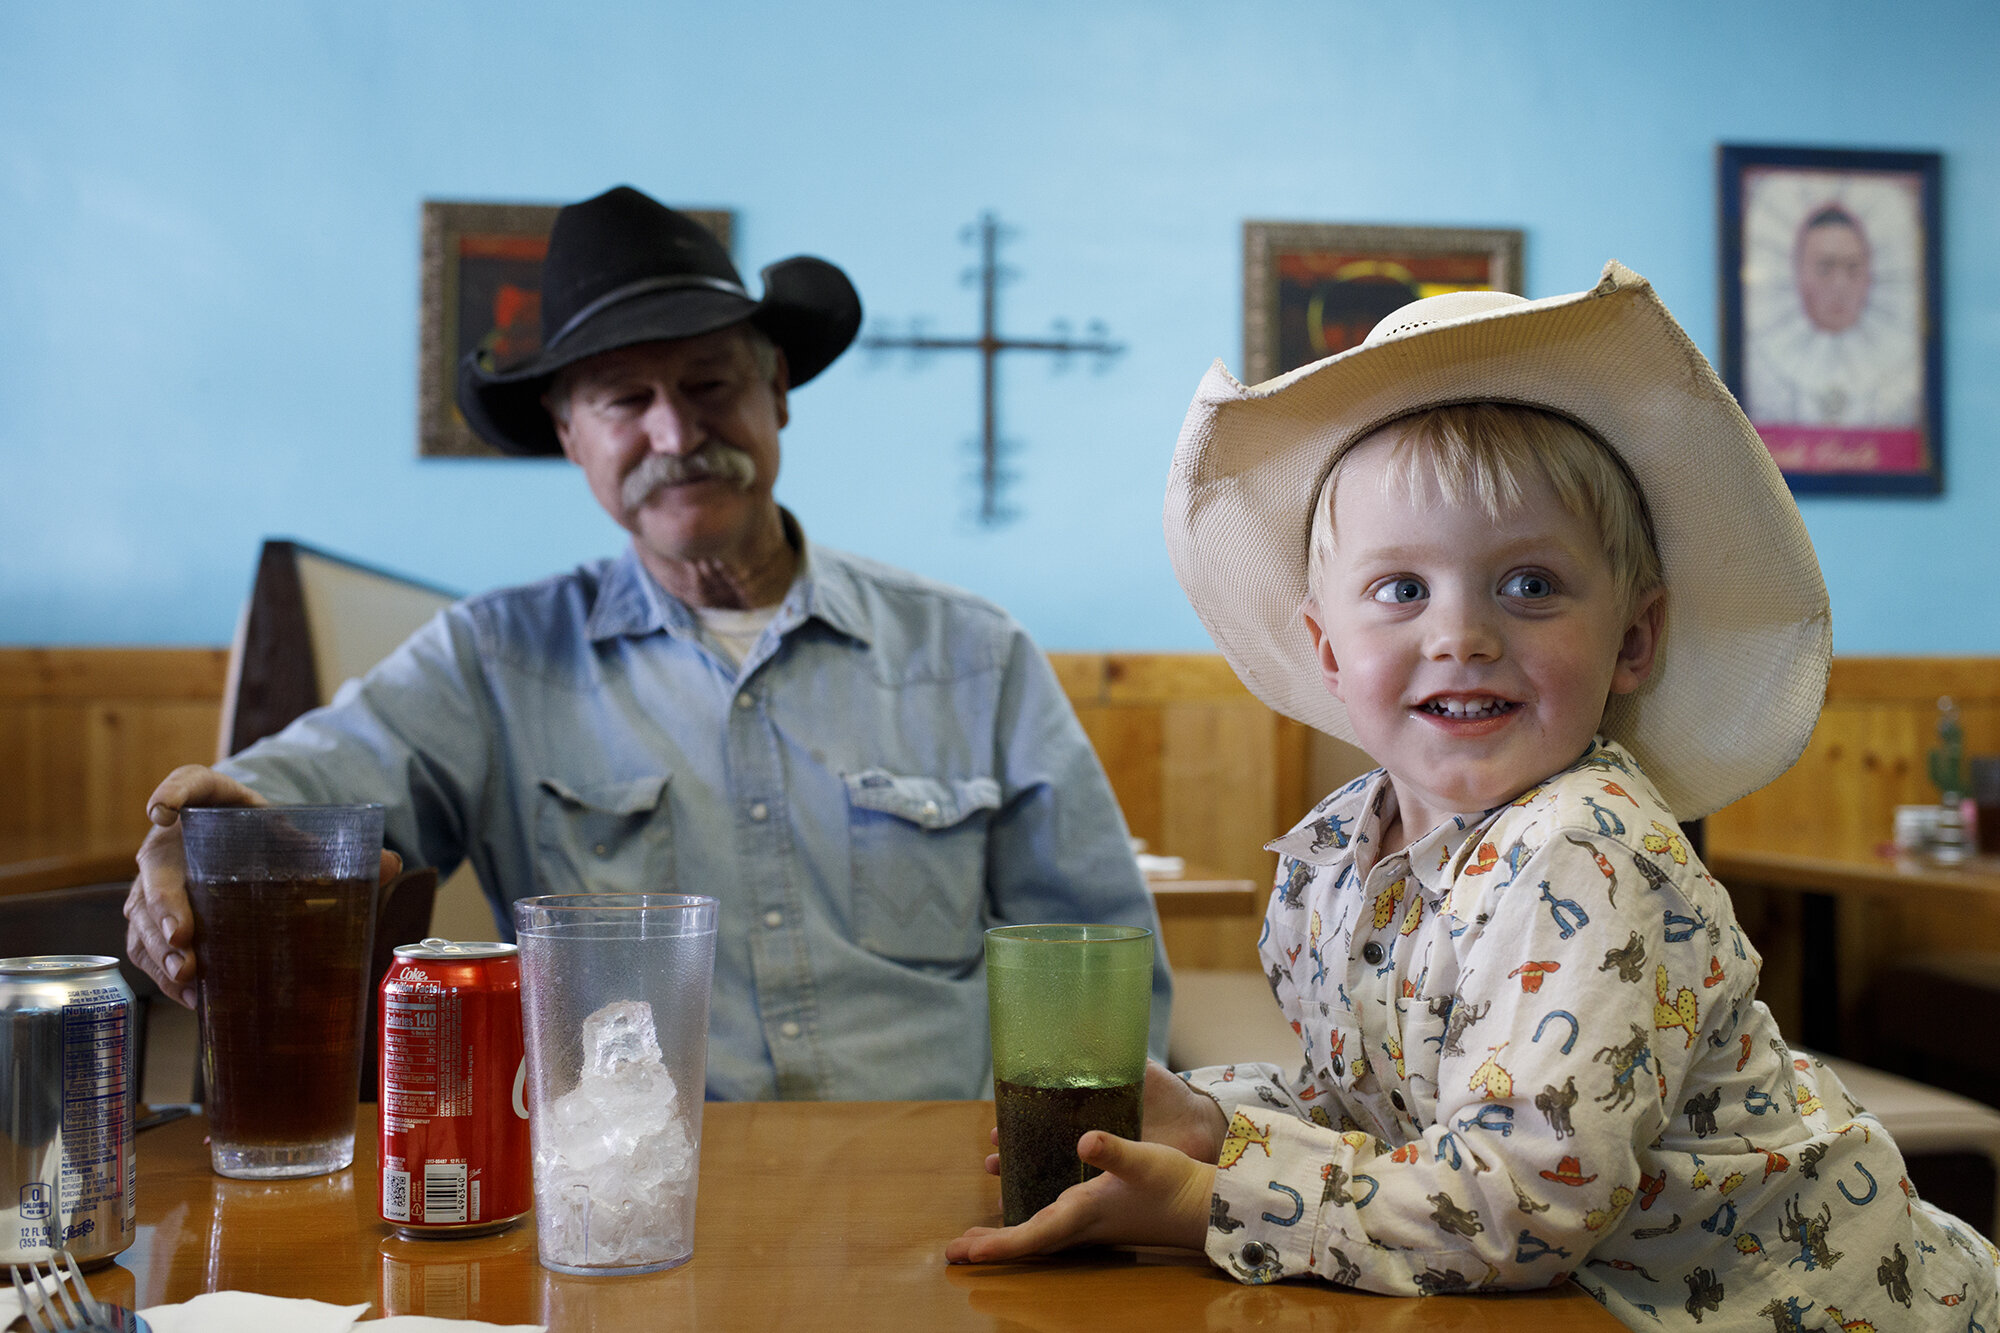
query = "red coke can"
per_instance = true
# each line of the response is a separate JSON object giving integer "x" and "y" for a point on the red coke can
{"x": 454, "y": 1077}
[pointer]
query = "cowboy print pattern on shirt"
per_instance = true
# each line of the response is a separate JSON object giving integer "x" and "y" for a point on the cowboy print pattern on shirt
{"x": 1533, "y": 1053}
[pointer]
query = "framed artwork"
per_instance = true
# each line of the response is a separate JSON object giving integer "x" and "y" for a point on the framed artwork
{"x": 1311, "y": 289}
{"x": 482, "y": 290}
{"x": 1831, "y": 315}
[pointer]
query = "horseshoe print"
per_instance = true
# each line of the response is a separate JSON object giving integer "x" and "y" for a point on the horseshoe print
{"x": 1841, "y": 1185}
{"x": 1567, "y": 1017}
{"x": 1298, "y": 1207}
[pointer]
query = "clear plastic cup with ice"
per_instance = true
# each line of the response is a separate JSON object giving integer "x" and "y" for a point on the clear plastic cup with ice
{"x": 614, "y": 990}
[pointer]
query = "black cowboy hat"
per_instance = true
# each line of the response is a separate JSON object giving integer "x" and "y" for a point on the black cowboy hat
{"x": 624, "y": 268}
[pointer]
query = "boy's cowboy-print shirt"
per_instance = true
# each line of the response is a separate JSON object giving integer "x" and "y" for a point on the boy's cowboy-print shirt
{"x": 1535, "y": 1053}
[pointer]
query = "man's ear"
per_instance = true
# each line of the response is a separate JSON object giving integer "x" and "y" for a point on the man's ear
{"x": 559, "y": 419}
{"x": 1641, "y": 643}
{"x": 1329, "y": 665}
{"x": 781, "y": 384}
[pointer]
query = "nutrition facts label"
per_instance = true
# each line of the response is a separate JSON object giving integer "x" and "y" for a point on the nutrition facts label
{"x": 425, "y": 1069}
{"x": 97, "y": 1101}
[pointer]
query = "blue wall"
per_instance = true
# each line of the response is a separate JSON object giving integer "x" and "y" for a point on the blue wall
{"x": 209, "y": 256}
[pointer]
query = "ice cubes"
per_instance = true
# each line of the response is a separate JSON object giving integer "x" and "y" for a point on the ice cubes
{"x": 615, "y": 1171}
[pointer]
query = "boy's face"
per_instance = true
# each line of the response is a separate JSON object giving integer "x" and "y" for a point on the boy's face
{"x": 1474, "y": 657}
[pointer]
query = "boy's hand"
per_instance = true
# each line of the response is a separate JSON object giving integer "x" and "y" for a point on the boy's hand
{"x": 1149, "y": 1194}
{"x": 1180, "y": 1117}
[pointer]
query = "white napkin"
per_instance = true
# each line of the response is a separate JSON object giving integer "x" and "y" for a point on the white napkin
{"x": 246, "y": 1312}
{"x": 10, "y": 1304}
{"x": 427, "y": 1323}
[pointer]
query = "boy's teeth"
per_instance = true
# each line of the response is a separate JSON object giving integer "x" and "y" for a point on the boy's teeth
{"x": 1463, "y": 708}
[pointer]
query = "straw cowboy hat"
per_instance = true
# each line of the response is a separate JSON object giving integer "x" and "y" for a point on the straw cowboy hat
{"x": 624, "y": 268}
{"x": 1741, "y": 669}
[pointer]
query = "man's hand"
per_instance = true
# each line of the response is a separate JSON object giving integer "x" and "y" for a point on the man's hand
{"x": 1149, "y": 1194}
{"x": 159, "y": 932}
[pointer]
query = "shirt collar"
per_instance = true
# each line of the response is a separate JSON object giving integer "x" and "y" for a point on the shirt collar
{"x": 1350, "y": 823}
{"x": 630, "y": 602}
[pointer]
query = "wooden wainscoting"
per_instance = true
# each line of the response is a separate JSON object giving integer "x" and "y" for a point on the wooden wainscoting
{"x": 1867, "y": 756}
{"x": 1202, "y": 770}
{"x": 87, "y": 733}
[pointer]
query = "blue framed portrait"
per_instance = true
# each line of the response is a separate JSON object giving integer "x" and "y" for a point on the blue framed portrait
{"x": 1832, "y": 313}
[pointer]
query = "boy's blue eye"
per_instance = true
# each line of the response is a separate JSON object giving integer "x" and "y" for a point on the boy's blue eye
{"x": 1402, "y": 590}
{"x": 1529, "y": 586}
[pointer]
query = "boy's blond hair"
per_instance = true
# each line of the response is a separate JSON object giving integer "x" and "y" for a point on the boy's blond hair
{"x": 1484, "y": 453}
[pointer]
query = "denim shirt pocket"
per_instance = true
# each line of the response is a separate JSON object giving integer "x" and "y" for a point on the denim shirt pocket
{"x": 919, "y": 864}
{"x": 604, "y": 837}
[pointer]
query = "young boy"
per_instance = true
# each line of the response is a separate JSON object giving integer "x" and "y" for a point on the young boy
{"x": 1533, "y": 559}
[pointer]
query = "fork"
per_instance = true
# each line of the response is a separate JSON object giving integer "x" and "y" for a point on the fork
{"x": 81, "y": 1313}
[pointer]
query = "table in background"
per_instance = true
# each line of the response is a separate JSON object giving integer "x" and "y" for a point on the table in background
{"x": 1209, "y": 921}
{"x": 1822, "y": 881}
{"x": 36, "y": 862}
{"x": 827, "y": 1216}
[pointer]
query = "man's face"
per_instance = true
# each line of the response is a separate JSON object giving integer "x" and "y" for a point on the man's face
{"x": 666, "y": 432}
{"x": 1475, "y": 657}
{"x": 1833, "y": 275}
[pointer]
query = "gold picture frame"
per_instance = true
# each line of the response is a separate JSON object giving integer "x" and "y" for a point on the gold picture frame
{"x": 1312, "y": 289}
{"x": 482, "y": 265}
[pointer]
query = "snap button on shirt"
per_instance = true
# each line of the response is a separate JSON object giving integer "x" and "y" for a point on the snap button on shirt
{"x": 760, "y": 812}
{"x": 790, "y": 1029}
{"x": 774, "y": 919}
{"x": 1371, "y": 953}
{"x": 744, "y": 700}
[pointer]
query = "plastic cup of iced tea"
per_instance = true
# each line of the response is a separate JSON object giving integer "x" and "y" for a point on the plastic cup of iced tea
{"x": 284, "y": 915}
{"x": 1069, "y": 1007}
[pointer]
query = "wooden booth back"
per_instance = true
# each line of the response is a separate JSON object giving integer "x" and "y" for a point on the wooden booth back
{"x": 1202, "y": 770}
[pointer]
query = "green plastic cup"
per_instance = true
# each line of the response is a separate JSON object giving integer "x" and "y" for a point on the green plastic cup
{"x": 1069, "y": 1006}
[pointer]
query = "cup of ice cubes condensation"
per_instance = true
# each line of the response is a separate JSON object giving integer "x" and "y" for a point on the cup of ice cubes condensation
{"x": 614, "y": 991}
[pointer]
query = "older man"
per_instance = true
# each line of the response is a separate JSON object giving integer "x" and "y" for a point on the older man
{"x": 866, "y": 768}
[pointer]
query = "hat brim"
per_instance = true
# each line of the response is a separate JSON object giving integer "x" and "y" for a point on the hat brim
{"x": 810, "y": 310}
{"x": 1740, "y": 674}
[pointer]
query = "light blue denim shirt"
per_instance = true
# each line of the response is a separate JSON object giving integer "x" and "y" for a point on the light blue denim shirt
{"x": 892, "y": 770}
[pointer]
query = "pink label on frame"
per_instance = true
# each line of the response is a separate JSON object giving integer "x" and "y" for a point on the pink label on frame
{"x": 1834, "y": 449}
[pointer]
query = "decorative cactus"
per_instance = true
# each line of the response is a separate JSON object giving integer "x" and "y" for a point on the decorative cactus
{"x": 1947, "y": 761}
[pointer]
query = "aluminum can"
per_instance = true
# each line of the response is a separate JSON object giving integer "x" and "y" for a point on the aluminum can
{"x": 455, "y": 1156}
{"x": 69, "y": 1077}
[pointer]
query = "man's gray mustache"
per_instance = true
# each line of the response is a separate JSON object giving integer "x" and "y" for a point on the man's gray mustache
{"x": 714, "y": 459}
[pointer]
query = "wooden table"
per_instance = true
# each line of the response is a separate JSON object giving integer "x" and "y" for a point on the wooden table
{"x": 1209, "y": 920}
{"x": 821, "y": 1216}
{"x": 1822, "y": 881}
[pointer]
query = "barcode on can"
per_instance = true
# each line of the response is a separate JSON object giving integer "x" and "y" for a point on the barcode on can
{"x": 444, "y": 1192}
{"x": 396, "y": 1196}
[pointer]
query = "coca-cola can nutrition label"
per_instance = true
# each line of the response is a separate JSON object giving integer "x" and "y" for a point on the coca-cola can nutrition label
{"x": 69, "y": 1075}
{"x": 454, "y": 1120}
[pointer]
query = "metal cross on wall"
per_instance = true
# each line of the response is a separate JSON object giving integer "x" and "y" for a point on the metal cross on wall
{"x": 989, "y": 343}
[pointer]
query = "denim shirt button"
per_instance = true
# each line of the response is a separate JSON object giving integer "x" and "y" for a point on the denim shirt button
{"x": 774, "y": 919}
{"x": 744, "y": 700}
{"x": 790, "y": 1029}
{"x": 601, "y": 849}
{"x": 760, "y": 812}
